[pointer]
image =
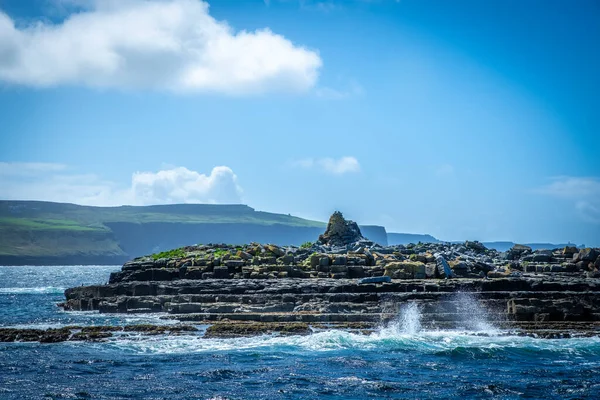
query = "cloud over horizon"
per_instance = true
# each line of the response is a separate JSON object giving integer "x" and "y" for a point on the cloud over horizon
{"x": 55, "y": 182}
{"x": 180, "y": 185}
{"x": 330, "y": 165}
{"x": 173, "y": 45}
{"x": 584, "y": 192}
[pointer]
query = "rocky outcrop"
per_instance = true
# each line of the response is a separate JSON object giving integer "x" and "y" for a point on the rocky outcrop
{"x": 534, "y": 302}
{"x": 340, "y": 232}
{"x": 344, "y": 279}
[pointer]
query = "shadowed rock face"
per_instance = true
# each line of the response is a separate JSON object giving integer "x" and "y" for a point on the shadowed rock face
{"x": 340, "y": 232}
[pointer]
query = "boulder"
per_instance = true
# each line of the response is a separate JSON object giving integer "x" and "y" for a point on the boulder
{"x": 459, "y": 268}
{"x": 287, "y": 259}
{"x": 340, "y": 260}
{"x": 443, "y": 269}
{"x": 517, "y": 251}
{"x": 314, "y": 260}
{"x": 243, "y": 255}
{"x": 587, "y": 254}
{"x": 405, "y": 270}
{"x": 481, "y": 266}
{"x": 430, "y": 270}
{"x": 542, "y": 256}
{"x": 475, "y": 246}
{"x": 275, "y": 250}
{"x": 356, "y": 271}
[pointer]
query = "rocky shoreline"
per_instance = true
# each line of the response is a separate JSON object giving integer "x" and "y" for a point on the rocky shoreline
{"x": 345, "y": 279}
{"x": 88, "y": 333}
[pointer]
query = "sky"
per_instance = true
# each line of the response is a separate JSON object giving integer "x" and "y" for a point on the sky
{"x": 462, "y": 119}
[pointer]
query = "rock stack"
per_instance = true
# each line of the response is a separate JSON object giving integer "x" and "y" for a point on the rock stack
{"x": 340, "y": 232}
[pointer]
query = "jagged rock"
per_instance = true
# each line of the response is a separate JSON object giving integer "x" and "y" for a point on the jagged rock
{"x": 517, "y": 251}
{"x": 542, "y": 256}
{"x": 443, "y": 269}
{"x": 460, "y": 268}
{"x": 405, "y": 270}
{"x": 340, "y": 232}
{"x": 587, "y": 254}
{"x": 481, "y": 266}
{"x": 476, "y": 246}
{"x": 276, "y": 250}
{"x": 569, "y": 250}
{"x": 244, "y": 255}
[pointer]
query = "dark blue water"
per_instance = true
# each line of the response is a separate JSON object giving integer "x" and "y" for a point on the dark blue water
{"x": 400, "y": 361}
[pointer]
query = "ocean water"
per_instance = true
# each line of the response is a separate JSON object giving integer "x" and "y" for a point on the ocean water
{"x": 397, "y": 361}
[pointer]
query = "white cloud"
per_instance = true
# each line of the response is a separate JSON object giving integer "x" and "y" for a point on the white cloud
{"x": 168, "y": 186}
{"x": 572, "y": 187}
{"x": 584, "y": 192}
{"x": 28, "y": 169}
{"x": 170, "y": 45}
{"x": 352, "y": 89}
{"x": 180, "y": 185}
{"x": 333, "y": 166}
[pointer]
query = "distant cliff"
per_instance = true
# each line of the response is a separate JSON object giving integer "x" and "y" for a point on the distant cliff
{"x": 406, "y": 238}
{"x": 45, "y": 233}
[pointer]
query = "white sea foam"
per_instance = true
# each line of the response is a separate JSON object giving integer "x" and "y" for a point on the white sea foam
{"x": 336, "y": 340}
{"x": 33, "y": 290}
{"x": 405, "y": 333}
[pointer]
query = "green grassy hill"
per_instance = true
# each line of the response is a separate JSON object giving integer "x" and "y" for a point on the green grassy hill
{"x": 50, "y": 233}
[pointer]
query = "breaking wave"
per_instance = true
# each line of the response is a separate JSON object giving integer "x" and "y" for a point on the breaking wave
{"x": 33, "y": 290}
{"x": 451, "y": 343}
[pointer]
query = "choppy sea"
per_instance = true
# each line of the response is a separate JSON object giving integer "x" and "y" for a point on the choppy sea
{"x": 397, "y": 361}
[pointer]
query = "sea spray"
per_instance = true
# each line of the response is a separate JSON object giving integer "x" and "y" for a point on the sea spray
{"x": 410, "y": 318}
{"x": 472, "y": 315}
{"x": 459, "y": 312}
{"x": 407, "y": 322}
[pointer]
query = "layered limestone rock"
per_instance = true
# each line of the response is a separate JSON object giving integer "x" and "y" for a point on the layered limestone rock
{"x": 343, "y": 279}
{"x": 534, "y": 302}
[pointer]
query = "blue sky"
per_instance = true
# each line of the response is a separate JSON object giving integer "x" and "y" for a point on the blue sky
{"x": 462, "y": 119}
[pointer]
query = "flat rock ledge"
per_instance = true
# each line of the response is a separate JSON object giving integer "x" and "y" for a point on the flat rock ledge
{"x": 529, "y": 303}
{"x": 87, "y": 333}
{"x": 253, "y": 289}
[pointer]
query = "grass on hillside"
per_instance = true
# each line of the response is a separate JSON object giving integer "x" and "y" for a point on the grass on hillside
{"x": 188, "y": 213}
{"x": 46, "y": 224}
{"x": 43, "y": 228}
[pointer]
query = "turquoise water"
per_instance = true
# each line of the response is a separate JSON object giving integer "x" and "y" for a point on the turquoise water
{"x": 399, "y": 361}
